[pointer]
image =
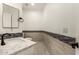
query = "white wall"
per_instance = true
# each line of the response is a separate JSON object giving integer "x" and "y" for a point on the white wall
{"x": 59, "y": 18}
{"x": 56, "y": 18}
{"x": 2, "y": 30}
{"x": 32, "y": 20}
{"x": 76, "y": 15}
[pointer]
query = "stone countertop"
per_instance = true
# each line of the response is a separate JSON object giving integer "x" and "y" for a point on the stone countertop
{"x": 14, "y": 45}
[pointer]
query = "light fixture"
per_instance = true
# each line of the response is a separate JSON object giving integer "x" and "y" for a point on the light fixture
{"x": 32, "y": 4}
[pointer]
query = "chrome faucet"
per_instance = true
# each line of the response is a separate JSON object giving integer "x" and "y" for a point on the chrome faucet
{"x": 2, "y": 38}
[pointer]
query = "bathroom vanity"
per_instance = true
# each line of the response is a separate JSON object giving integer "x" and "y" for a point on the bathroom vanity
{"x": 14, "y": 45}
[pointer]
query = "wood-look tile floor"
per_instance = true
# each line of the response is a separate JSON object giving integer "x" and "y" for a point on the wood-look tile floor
{"x": 37, "y": 49}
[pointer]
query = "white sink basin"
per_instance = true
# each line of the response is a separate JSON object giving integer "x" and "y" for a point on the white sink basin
{"x": 14, "y": 45}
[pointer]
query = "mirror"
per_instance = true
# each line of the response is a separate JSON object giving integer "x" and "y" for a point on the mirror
{"x": 10, "y": 17}
{"x": 7, "y": 20}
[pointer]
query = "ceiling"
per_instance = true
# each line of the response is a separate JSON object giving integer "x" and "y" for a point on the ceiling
{"x": 35, "y": 7}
